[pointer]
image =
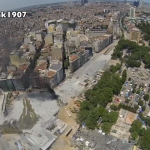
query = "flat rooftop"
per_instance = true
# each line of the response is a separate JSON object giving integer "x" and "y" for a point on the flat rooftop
{"x": 56, "y": 66}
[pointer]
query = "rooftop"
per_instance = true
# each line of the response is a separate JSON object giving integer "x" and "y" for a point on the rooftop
{"x": 73, "y": 57}
{"x": 56, "y": 66}
{"x": 51, "y": 73}
{"x": 41, "y": 66}
{"x": 23, "y": 67}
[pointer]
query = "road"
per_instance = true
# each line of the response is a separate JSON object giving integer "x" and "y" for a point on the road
{"x": 126, "y": 34}
{"x": 71, "y": 87}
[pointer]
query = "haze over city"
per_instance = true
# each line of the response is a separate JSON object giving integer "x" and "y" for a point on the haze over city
{"x": 75, "y": 75}
{"x": 13, "y": 4}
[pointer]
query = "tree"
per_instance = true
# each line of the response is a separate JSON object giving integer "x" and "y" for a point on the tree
{"x": 143, "y": 108}
{"x": 106, "y": 127}
{"x": 134, "y": 135}
{"x": 136, "y": 107}
{"x": 124, "y": 75}
{"x": 144, "y": 141}
{"x": 86, "y": 106}
{"x": 82, "y": 116}
{"x": 146, "y": 97}
{"x": 129, "y": 79}
{"x": 138, "y": 92}
{"x": 98, "y": 98}
{"x": 140, "y": 103}
{"x": 136, "y": 126}
{"x": 127, "y": 101}
{"x": 142, "y": 132}
{"x": 114, "y": 107}
{"x": 91, "y": 121}
{"x": 129, "y": 108}
{"x": 112, "y": 117}
{"x": 66, "y": 64}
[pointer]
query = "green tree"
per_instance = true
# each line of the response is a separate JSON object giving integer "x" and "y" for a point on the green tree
{"x": 138, "y": 92}
{"x": 134, "y": 135}
{"x": 91, "y": 121}
{"x": 136, "y": 126}
{"x": 142, "y": 132}
{"x": 136, "y": 107}
{"x": 144, "y": 141}
{"x": 140, "y": 102}
{"x": 129, "y": 79}
{"x": 143, "y": 108}
{"x": 127, "y": 101}
{"x": 114, "y": 107}
{"x": 82, "y": 116}
{"x": 124, "y": 75}
{"x": 146, "y": 97}
{"x": 106, "y": 127}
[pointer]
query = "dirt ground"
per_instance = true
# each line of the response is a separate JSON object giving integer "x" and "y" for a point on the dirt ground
{"x": 63, "y": 141}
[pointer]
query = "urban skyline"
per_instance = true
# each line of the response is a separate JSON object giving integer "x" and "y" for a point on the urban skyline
{"x": 15, "y": 4}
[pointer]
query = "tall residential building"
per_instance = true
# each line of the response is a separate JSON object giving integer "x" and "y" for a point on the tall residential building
{"x": 141, "y": 3}
{"x": 132, "y": 12}
{"x": 136, "y": 3}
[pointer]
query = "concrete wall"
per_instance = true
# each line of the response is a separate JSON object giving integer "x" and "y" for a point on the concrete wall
{"x": 60, "y": 75}
{"x": 53, "y": 81}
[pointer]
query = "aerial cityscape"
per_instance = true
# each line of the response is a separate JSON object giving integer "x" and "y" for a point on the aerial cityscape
{"x": 75, "y": 75}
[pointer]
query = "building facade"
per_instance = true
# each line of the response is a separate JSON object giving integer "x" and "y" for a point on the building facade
{"x": 135, "y": 35}
{"x": 132, "y": 12}
{"x": 78, "y": 60}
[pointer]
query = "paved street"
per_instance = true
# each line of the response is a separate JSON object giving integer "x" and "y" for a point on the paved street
{"x": 71, "y": 87}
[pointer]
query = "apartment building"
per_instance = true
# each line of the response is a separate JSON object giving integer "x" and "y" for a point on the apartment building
{"x": 13, "y": 80}
{"x": 102, "y": 42}
{"x": 57, "y": 67}
{"x": 43, "y": 76}
{"x": 78, "y": 59}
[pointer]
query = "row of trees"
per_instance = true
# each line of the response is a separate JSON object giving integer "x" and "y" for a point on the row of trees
{"x": 136, "y": 53}
{"x": 124, "y": 106}
{"x": 93, "y": 109}
{"x": 145, "y": 28}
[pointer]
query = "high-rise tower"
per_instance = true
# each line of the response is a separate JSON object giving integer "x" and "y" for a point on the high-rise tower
{"x": 70, "y": 4}
{"x": 141, "y": 3}
{"x": 83, "y": 2}
{"x": 132, "y": 12}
